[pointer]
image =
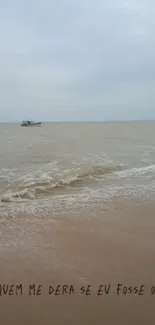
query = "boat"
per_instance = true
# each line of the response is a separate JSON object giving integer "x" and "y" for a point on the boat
{"x": 31, "y": 123}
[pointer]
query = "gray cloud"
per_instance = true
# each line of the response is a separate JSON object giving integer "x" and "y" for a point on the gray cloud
{"x": 77, "y": 59}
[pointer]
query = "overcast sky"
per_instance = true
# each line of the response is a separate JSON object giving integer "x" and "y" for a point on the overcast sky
{"x": 77, "y": 59}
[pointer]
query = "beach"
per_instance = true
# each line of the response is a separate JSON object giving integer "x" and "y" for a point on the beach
{"x": 77, "y": 162}
{"x": 114, "y": 248}
{"x": 77, "y": 227}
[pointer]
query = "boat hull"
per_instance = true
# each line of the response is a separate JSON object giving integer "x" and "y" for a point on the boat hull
{"x": 31, "y": 124}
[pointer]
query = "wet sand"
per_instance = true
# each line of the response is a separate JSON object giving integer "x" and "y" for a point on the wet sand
{"x": 99, "y": 248}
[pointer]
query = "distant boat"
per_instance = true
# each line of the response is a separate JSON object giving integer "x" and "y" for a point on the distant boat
{"x": 30, "y": 123}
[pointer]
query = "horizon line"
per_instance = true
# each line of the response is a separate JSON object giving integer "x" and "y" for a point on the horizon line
{"x": 84, "y": 121}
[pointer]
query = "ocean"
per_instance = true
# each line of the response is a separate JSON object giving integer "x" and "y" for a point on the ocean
{"x": 77, "y": 208}
{"x": 73, "y": 165}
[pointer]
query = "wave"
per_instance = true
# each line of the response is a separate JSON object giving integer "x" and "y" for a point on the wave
{"x": 10, "y": 196}
{"x": 75, "y": 177}
{"x": 100, "y": 170}
{"x": 137, "y": 171}
{"x": 68, "y": 183}
{"x": 49, "y": 185}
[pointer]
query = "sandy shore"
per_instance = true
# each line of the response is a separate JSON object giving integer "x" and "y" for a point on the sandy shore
{"x": 108, "y": 248}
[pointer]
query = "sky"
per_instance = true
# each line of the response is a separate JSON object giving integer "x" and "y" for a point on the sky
{"x": 77, "y": 60}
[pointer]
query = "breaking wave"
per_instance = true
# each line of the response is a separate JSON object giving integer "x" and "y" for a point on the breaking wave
{"x": 138, "y": 171}
{"x": 69, "y": 181}
{"x": 49, "y": 185}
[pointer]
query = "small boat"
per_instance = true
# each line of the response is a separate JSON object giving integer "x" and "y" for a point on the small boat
{"x": 30, "y": 123}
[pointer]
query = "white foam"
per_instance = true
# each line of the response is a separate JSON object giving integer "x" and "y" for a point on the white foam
{"x": 138, "y": 171}
{"x": 43, "y": 207}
